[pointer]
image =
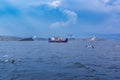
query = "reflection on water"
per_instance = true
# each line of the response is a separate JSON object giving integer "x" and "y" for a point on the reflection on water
{"x": 56, "y": 61}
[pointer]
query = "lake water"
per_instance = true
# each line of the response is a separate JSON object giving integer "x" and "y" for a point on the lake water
{"x": 40, "y": 60}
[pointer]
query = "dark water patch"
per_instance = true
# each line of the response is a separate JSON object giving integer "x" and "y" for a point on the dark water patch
{"x": 39, "y": 60}
{"x": 102, "y": 74}
{"x": 27, "y": 76}
{"x": 115, "y": 67}
{"x": 93, "y": 77}
{"x": 116, "y": 58}
{"x": 44, "y": 76}
{"x": 104, "y": 58}
{"x": 76, "y": 65}
{"x": 66, "y": 76}
{"x": 89, "y": 76}
{"x": 116, "y": 78}
{"x": 95, "y": 65}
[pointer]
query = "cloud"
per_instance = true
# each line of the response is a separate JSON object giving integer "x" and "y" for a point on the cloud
{"x": 71, "y": 15}
{"x": 71, "y": 19}
{"x": 110, "y": 2}
{"x": 96, "y": 5}
{"x": 60, "y": 13}
{"x": 92, "y": 5}
{"x": 28, "y": 3}
{"x": 55, "y": 3}
{"x": 105, "y": 1}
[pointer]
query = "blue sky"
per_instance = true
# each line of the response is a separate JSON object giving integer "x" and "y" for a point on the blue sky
{"x": 59, "y": 17}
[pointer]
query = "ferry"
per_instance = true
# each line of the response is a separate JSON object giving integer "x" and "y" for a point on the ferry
{"x": 57, "y": 39}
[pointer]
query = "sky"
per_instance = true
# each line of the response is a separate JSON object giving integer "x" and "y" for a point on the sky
{"x": 59, "y": 17}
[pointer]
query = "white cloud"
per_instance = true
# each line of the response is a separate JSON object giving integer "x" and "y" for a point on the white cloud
{"x": 105, "y": 1}
{"x": 72, "y": 16}
{"x": 95, "y": 5}
{"x": 55, "y": 3}
{"x": 28, "y": 3}
{"x": 92, "y": 5}
{"x": 72, "y": 19}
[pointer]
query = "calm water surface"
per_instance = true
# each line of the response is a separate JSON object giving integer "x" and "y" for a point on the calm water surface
{"x": 41, "y": 60}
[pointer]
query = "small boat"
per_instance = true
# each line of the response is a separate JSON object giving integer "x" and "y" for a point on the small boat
{"x": 57, "y": 39}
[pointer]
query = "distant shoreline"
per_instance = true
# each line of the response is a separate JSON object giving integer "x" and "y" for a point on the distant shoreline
{"x": 13, "y": 38}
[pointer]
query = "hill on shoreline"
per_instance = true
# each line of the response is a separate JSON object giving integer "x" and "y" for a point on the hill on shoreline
{"x": 95, "y": 38}
{"x": 9, "y": 38}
